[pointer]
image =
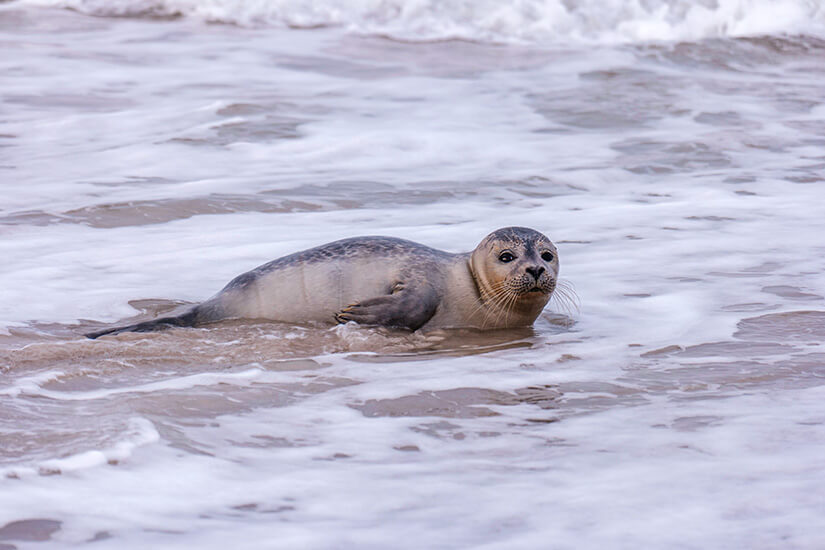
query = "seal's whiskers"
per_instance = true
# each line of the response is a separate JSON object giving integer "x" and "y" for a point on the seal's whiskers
{"x": 565, "y": 297}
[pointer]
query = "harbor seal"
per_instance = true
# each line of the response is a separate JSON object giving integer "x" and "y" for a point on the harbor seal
{"x": 505, "y": 282}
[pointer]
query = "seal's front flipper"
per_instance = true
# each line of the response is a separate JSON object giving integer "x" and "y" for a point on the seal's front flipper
{"x": 406, "y": 308}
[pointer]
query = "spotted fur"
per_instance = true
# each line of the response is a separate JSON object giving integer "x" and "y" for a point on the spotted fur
{"x": 389, "y": 282}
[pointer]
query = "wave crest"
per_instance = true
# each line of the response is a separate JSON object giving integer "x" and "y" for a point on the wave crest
{"x": 520, "y": 21}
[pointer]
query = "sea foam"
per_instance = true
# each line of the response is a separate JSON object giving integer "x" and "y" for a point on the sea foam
{"x": 528, "y": 21}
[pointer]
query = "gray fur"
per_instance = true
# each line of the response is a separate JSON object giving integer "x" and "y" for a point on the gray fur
{"x": 381, "y": 281}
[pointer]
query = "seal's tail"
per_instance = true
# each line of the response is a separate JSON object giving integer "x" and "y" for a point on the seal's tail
{"x": 187, "y": 319}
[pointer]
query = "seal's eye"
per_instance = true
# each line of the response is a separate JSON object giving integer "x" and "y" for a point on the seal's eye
{"x": 547, "y": 256}
{"x": 506, "y": 257}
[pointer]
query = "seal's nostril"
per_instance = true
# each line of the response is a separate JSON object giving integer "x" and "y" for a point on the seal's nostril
{"x": 535, "y": 271}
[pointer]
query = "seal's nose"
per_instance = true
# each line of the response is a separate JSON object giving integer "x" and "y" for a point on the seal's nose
{"x": 535, "y": 271}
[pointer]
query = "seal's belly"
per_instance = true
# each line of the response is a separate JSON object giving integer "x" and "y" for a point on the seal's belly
{"x": 312, "y": 292}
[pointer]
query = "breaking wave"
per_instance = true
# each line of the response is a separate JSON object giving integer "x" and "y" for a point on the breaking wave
{"x": 519, "y": 21}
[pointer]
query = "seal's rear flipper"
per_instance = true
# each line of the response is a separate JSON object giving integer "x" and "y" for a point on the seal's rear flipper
{"x": 187, "y": 319}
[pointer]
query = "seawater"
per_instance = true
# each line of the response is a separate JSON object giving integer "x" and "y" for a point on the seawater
{"x": 674, "y": 151}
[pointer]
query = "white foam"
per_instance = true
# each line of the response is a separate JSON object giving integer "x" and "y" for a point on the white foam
{"x": 32, "y": 385}
{"x": 612, "y": 21}
{"x": 140, "y": 432}
{"x": 29, "y": 384}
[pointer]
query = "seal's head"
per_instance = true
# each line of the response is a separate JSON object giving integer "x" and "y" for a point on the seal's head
{"x": 515, "y": 270}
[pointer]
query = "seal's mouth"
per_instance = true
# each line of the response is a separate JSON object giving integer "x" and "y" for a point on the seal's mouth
{"x": 536, "y": 289}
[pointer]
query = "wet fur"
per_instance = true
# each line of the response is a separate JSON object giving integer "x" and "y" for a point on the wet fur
{"x": 380, "y": 281}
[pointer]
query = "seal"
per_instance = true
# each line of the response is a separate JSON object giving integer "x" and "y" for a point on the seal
{"x": 504, "y": 282}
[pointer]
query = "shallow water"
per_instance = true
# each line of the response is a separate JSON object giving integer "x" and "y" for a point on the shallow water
{"x": 148, "y": 159}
